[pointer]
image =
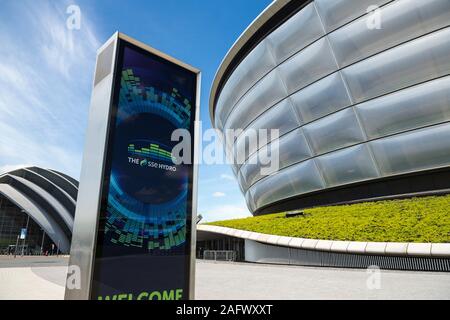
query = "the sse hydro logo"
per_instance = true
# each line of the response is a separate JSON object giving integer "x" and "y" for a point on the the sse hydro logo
{"x": 146, "y": 153}
{"x": 143, "y": 159}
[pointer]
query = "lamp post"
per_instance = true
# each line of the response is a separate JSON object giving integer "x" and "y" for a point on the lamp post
{"x": 26, "y": 231}
{"x": 42, "y": 243}
{"x": 15, "y": 248}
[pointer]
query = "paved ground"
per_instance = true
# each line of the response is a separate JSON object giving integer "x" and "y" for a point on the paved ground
{"x": 43, "y": 278}
{"x": 255, "y": 281}
{"x": 32, "y": 261}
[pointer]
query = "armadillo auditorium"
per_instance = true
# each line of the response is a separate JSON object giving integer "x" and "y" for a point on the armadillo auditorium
{"x": 42, "y": 201}
{"x": 359, "y": 91}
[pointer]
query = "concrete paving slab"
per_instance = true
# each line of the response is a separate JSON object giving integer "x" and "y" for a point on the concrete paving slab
{"x": 225, "y": 281}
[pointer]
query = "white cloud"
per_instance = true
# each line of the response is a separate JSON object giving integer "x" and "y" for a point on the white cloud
{"x": 8, "y": 168}
{"x": 218, "y": 194}
{"x": 227, "y": 177}
{"x": 225, "y": 212}
{"x": 47, "y": 73}
{"x": 64, "y": 49}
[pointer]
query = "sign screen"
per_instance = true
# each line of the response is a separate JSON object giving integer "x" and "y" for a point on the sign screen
{"x": 143, "y": 237}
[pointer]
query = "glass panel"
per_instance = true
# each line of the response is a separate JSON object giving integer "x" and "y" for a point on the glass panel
{"x": 249, "y": 201}
{"x": 242, "y": 185}
{"x": 418, "y": 150}
{"x": 291, "y": 148}
{"x": 12, "y": 220}
{"x": 262, "y": 96}
{"x": 235, "y": 170}
{"x": 408, "y": 109}
{"x": 252, "y": 194}
{"x": 335, "y": 131}
{"x": 228, "y": 150}
{"x": 321, "y": 98}
{"x": 295, "y": 34}
{"x": 298, "y": 179}
{"x": 247, "y": 144}
{"x": 251, "y": 171}
{"x": 279, "y": 117}
{"x": 347, "y": 165}
{"x": 336, "y": 13}
{"x": 227, "y": 143}
{"x": 229, "y": 95}
{"x": 217, "y": 122}
{"x": 257, "y": 63}
{"x": 401, "y": 21}
{"x": 307, "y": 66}
{"x": 417, "y": 61}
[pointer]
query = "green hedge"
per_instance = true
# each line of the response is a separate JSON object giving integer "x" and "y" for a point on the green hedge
{"x": 410, "y": 220}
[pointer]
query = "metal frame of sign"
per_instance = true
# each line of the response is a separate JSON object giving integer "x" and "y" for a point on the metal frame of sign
{"x": 82, "y": 254}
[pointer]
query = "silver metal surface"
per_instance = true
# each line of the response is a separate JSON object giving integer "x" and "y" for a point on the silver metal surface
{"x": 58, "y": 179}
{"x": 41, "y": 217}
{"x": 268, "y": 13}
{"x": 88, "y": 202}
{"x": 354, "y": 91}
{"x": 41, "y": 195}
{"x": 47, "y": 198}
{"x": 197, "y": 137}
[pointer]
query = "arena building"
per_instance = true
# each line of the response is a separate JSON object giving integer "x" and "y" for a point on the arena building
{"x": 42, "y": 202}
{"x": 359, "y": 91}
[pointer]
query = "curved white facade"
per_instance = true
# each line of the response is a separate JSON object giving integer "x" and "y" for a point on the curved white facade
{"x": 353, "y": 102}
{"x": 46, "y": 196}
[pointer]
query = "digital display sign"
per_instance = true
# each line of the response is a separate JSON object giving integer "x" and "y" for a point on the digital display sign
{"x": 143, "y": 244}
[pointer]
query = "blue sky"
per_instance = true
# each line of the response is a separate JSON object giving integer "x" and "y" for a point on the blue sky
{"x": 46, "y": 74}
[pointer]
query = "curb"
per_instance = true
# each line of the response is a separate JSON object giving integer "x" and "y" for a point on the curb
{"x": 435, "y": 250}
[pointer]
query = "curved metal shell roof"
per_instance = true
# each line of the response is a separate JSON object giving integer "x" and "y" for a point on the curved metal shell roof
{"x": 267, "y": 21}
{"x": 47, "y": 196}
